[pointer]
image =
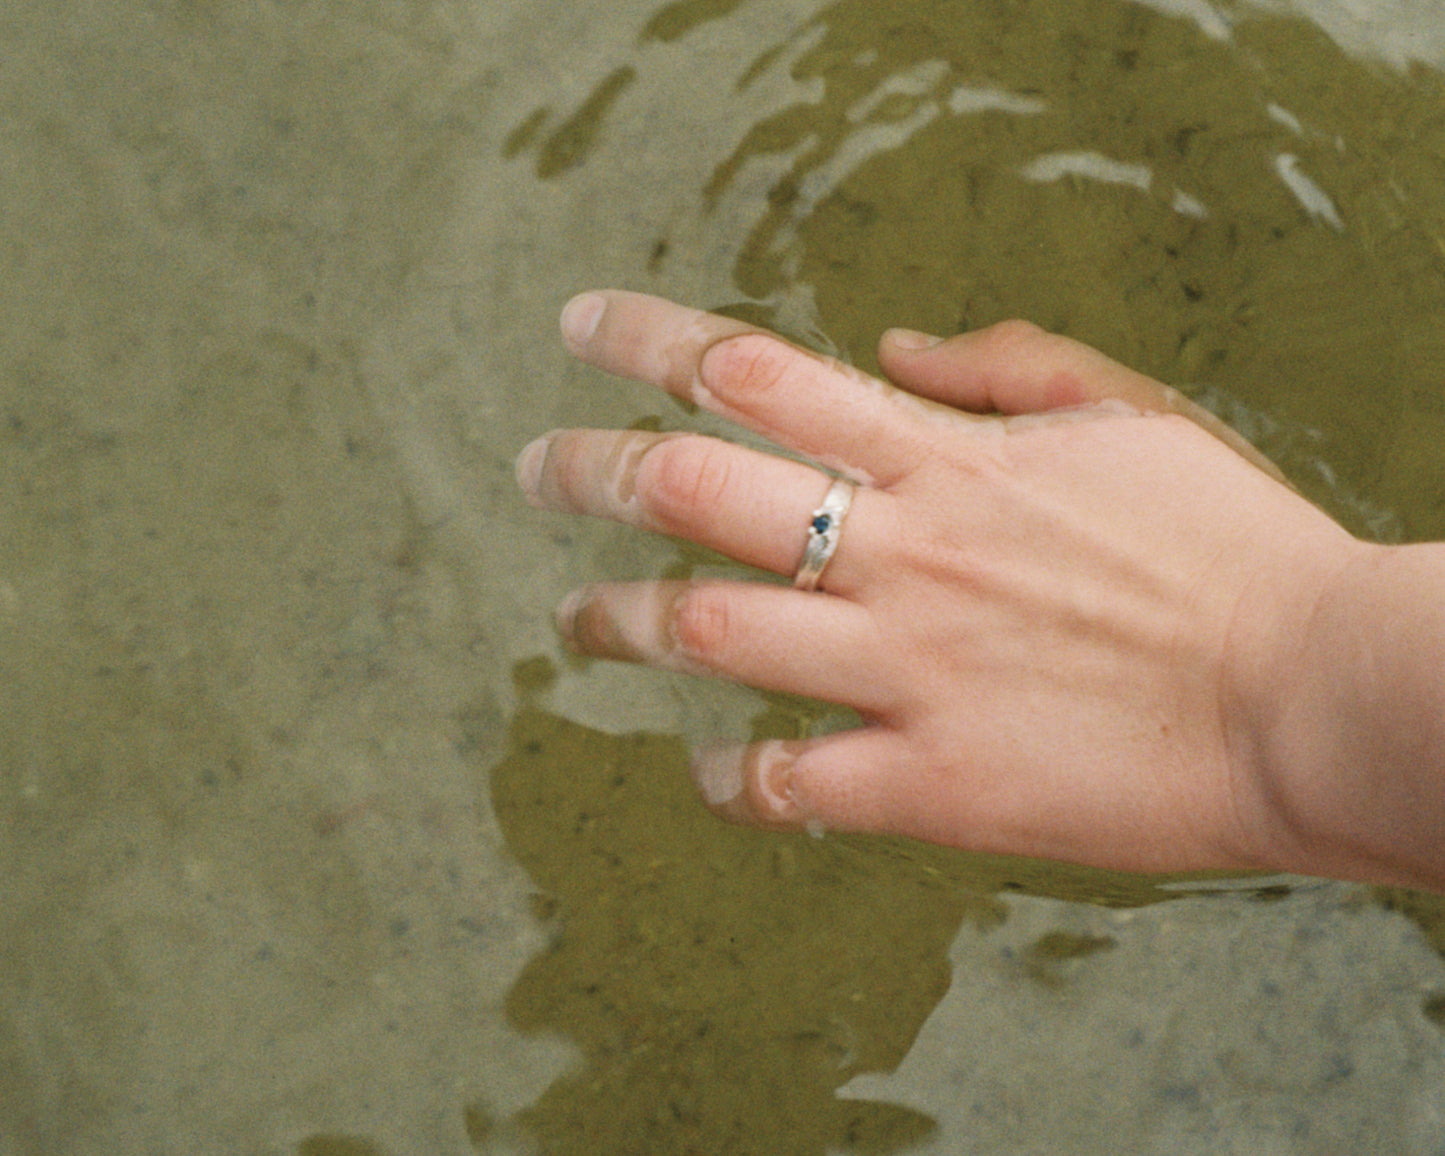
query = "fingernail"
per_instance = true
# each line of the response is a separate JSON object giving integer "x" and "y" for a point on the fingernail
{"x": 718, "y": 773}
{"x": 911, "y": 340}
{"x": 775, "y": 777}
{"x": 529, "y": 467}
{"x": 581, "y": 316}
{"x": 565, "y": 616}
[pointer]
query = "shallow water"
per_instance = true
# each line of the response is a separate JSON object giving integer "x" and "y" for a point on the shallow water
{"x": 314, "y": 843}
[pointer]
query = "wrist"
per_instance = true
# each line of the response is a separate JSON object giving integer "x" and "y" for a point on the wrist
{"x": 1353, "y": 759}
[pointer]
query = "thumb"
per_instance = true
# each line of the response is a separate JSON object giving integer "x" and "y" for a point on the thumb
{"x": 1015, "y": 367}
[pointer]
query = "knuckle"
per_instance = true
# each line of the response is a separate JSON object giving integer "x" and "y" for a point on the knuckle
{"x": 680, "y": 477}
{"x": 1008, "y": 337}
{"x": 1018, "y": 347}
{"x": 751, "y": 364}
{"x": 951, "y": 559}
{"x": 702, "y": 623}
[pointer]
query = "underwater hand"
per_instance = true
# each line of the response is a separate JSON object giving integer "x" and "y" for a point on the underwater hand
{"x": 1063, "y": 599}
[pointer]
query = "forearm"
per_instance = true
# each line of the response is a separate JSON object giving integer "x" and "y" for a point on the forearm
{"x": 1362, "y": 738}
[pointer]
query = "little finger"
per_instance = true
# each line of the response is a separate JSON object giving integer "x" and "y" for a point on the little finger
{"x": 849, "y": 781}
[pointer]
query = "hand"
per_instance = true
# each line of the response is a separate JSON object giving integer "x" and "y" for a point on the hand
{"x": 1064, "y": 601}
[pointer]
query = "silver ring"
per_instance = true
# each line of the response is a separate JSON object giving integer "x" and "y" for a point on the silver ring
{"x": 825, "y": 526}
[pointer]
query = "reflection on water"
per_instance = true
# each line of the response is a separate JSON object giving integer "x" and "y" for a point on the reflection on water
{"x": 300, "y": 856}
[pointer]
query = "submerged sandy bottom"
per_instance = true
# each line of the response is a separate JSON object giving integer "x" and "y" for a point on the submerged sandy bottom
{"x": 311, "y": 840}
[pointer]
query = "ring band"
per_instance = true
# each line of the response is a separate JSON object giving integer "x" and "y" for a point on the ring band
{"x": 824, "y": 528}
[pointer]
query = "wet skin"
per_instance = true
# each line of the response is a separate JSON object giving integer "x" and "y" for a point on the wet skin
{"x": 1065, "y": 601}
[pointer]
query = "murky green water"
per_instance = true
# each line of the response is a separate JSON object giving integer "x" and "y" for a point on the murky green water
{"x": 312, "y": 842}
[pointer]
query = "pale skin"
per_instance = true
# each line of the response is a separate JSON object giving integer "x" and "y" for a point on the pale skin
{"x": 1079, "y": 620}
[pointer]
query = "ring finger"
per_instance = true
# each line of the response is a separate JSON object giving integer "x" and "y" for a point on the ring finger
{"x": 751, "y": 506}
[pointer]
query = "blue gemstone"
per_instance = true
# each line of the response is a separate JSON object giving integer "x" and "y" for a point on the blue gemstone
{"x": 822, "y": 523}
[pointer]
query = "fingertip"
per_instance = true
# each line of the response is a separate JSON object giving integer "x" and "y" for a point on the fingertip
{"x": 908, "y": 341}
{"x": 580, "y": 318}
{"x": 528, "y": 467}
{"x": 564, "y": 617}
{"x": 717, "y": 772}
{"x": 751, "y": 783}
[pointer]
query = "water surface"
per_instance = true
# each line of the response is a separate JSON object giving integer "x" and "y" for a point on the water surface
{"x": 313, "y": 841}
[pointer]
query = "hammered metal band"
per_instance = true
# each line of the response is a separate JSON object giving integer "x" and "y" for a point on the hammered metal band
{"x": 824, "y": 528}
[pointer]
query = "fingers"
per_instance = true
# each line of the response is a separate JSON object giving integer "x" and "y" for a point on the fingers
{"x": 844, "y": 419}
{"x": 767, "y": 636}
{"x": 1016, "y": 368}
{"x": 751, "y": 506}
